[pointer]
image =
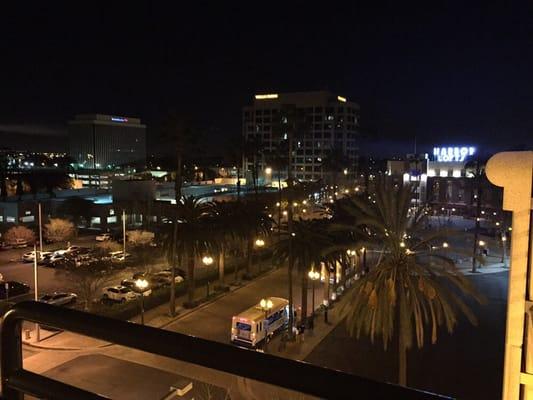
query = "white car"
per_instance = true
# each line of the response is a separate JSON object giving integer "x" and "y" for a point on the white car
{"x": 68, "y": 250}
{"x": 59, "y": 299}
{"x": 30, "y": 257}
{"x": 119, "y": 256}
{"x": 103, "y": 237}
{"x": 119, "y": 293}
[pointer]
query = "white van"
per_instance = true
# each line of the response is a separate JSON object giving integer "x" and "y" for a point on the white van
{"x": 250, "y": 326}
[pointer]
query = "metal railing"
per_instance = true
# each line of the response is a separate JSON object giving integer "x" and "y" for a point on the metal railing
{"x": 284, "y": 373}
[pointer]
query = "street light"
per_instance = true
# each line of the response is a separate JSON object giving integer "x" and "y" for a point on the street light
{"x": 268, "y": 170}
{"x": 314, "y": 276}
{"x": 266, "y": 306}
{"x": 445, "y": 245}
{"x": 259, "y": 242}
{"x": 142, "y": 284}
{"x": 207, "y": 260}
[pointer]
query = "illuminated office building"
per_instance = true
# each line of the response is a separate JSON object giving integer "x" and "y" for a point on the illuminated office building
{"x": 328, "y": 121}
{"x": 98, "y": 141}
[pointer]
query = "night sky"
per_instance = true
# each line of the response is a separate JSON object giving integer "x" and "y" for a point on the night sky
{"x": 445, "y": 73}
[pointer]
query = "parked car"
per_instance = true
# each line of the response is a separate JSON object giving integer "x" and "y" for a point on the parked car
{"x": 59, "y": 298}
{"x": 72, "y": 250}
{"x": 178, "y": 271}
{"x": 103, "y": 237}
{"x": 30, "y": 257}
{"x": 13, "y": 289}
{"x": 18, "y": 244}
{"x": 130, "y": 283}
{"x": 82, "y": 260}
{"x": 56, "y": 261}
{"x": 119, "y": 293}
{"x": 118, "y": 256}
{"x": 167, "y": 275}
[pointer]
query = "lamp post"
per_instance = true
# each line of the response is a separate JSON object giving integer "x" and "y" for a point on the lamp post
{"x": 266, "y": 306}
{"x": 314, "y": 276}
{"x": 207, "y": 260}
{"x": 363, "y": 253}
{"x": 36, "y": 285}
{"x": 142, "y": 284}
{"x": 504, "y": 249}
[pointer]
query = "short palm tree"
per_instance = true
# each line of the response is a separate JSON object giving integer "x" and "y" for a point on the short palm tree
{"x": 411, "y": 292}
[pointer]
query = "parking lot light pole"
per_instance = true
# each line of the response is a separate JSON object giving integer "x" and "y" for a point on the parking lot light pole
{"x": 36, "y": 290}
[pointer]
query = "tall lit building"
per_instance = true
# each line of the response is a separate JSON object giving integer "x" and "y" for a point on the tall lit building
{"x": 329, "y": 126}
{"x": 98, "y": 141}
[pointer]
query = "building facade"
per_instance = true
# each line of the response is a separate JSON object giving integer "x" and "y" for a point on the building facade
{"x": 329, "y": 126}
{"x": 98, "y": 141}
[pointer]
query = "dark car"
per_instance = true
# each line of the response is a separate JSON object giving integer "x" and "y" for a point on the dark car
{"x": 178, "y": 271}
{"x": 10, "y": 289}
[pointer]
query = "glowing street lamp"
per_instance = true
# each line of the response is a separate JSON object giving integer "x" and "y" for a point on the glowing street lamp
{"x": 314, "y": 276}
{"x": 142, "y": 285}
{"x": 268, "y": 170}
{"x": 259, "y": 242}
{"x": 266, "y": 306}
{"x": 207, "y": 260}
{"x": 445, "y": 245}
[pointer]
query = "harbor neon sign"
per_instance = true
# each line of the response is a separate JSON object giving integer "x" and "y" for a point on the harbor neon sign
{"x": 451, "y": 154}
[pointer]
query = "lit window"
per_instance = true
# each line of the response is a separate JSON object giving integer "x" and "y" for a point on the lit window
{"x": 443, "y": 173}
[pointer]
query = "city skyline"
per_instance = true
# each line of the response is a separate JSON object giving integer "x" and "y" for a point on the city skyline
{"x": 464, "y": 78}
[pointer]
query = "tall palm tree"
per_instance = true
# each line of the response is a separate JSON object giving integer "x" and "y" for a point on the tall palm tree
{"x": 193, "y": 236}
{"x": 477, "y": 169}
{"x": 410, "y": 290}
{"x": 310, "y": 245}
{"x": 253, "y": 148}
{"x": 225, "y": 215}
{"x": 178, "y": 129}
{"x": 251, "y": 221}
{"x": 333, "y": 163}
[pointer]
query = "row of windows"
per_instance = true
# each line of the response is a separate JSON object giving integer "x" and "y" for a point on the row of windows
{"x": 315, "y": 127}
{"x": 308, "y": 110}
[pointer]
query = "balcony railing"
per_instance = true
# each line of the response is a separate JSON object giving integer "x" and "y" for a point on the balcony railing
{"x": 284, "y": 373}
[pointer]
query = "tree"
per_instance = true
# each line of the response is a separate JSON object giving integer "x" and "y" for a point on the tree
{"x": 253, "y": 148}
{"x": 477, "y": 169}
{"x": 59, "y": 230}
{"x": 411, "y": 289}
{"x": 193, "y": 237}
{"x": 251, "y": 221}
{"x": 76, "y": 208}
{"x": 19, "y": 233}
{"x": 51, "y": 179}
{"x": 333, "y": 163}
{"x": 310, "y": 246}
{"x": 103, "y": 249}
{"x": 225, "y": 215}
{"x": 88, "y": 283}
{"x": 178, "y": 128}
{"x": 141, "y": 241}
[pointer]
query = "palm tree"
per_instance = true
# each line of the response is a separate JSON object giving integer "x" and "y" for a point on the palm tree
{"x": 477, "y": 169}
{"x": 309, "y": 245}
{"x": 410, "y": 290}
{"x": 253, "y": 148}
{"x": 251, "y": 221}
{"x": 193, "y": 236}
{"x": 333, "y": 163}
{"x": 178, "y": 129}
{"x": 225, "y": 214}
